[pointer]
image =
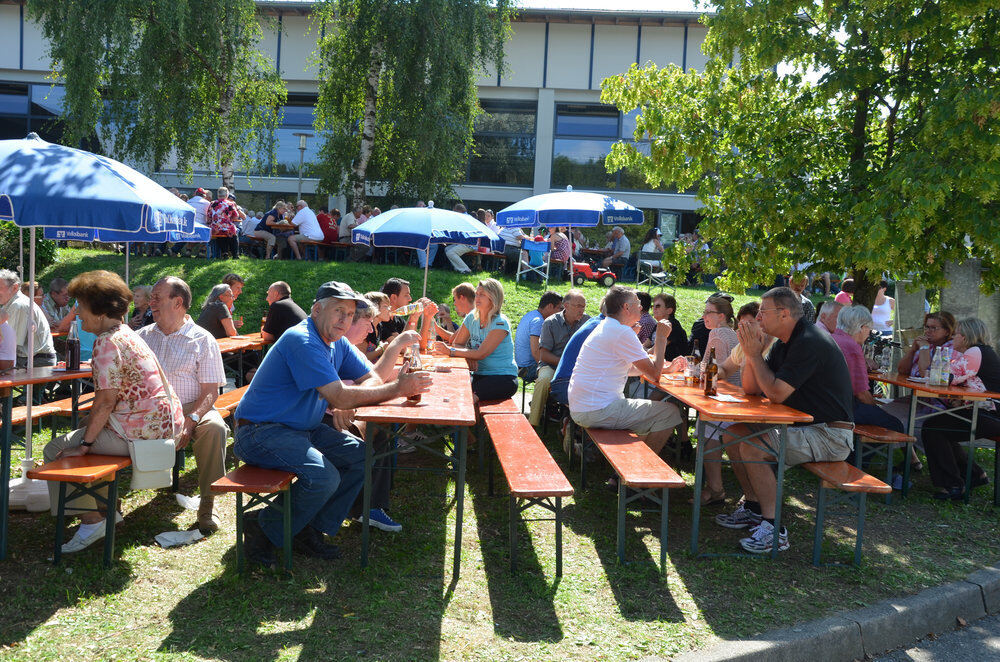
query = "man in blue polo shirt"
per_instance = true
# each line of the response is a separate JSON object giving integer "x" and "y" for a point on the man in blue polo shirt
{"x": 279, "y": 424}
{"x": 529, "y": 330}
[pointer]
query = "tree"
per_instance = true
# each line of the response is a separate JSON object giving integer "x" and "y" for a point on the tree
{"x": 855, "y": 134}
{"x": 397, "y": 94}
{"x": 162, "y": 77}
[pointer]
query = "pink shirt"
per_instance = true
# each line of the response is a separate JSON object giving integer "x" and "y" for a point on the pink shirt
{"x": 844, "y": 298}
{"x": 123, "y": 363}
{"x": 855, "y": 360}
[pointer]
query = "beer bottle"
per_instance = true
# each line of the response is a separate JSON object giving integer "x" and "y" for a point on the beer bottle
{"x": 711, "y": 373}
{"x": 415, "y": 365}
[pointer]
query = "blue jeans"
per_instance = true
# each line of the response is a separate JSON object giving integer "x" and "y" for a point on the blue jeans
{"x": 423, "y": 257}
{"x": 865, "y": 414}
{"x": 559, "y": 391}
{"x": 330, "y": 466}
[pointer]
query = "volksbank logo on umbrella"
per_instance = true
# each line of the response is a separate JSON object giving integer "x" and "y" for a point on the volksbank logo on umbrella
{"x": 526, "y": 218}
{"x": 78, "y": 235}
{"x": 619, "y": 218}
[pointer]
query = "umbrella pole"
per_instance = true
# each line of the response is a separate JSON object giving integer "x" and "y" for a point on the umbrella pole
{"x": 31, "y": 341}
{"x": 427, "y": 265}
{"x": 128, "y": 249}
{"x": 20, "y": 264}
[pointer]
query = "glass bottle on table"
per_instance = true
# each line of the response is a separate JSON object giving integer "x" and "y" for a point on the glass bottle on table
{"x": 415, "y": 364}
{"x": 711, "y": 374}
{"x": 73, "y": 346}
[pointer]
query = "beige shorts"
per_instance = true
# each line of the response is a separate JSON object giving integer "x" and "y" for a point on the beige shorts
{"x": 639, "y": 416}
{"x": 814, "y": 443}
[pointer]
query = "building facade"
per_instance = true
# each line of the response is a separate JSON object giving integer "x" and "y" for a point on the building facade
{"x": 544, "y": 126}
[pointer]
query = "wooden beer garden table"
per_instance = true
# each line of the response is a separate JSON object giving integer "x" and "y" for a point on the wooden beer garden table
{"x": 920, "y": 389}
{"x": 448, "y": 408}
{"x": 238, "y": 345}
{"x": 7, "y": 384}
{"x": 752, "y": 409}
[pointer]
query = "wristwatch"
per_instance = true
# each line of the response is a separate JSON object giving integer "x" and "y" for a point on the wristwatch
{"x": 87, "y": 444}
{"x": 194, "y": 417}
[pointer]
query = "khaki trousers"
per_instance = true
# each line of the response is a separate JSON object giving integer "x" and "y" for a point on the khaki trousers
{"x": 541, "y": 393}
{"x": 208, "y": 445}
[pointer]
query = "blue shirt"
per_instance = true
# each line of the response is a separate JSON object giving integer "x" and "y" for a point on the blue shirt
{"x": 284, "y": 388}
{"x": 501, "y": 361}
{"x": 572, "y": 349}
{"x": 530, "y": 325}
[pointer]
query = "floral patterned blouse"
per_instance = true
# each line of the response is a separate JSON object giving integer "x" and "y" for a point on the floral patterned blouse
{"x": 965, "y": 375}
{"x": 223, "y": 217}
{"x": 124, "y": 363}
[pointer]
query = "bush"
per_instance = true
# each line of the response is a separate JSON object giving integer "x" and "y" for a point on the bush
{"x": 45, "y": 250}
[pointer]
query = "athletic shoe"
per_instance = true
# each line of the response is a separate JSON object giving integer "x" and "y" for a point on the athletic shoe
{"x": 403, "y": 446}
{"x": 897, "y": 482}
{"x": 79, "y": 542}
{"x": 740, "y": 518}
{"x": 380, "y": 520}
{"x": 761, "y": 540}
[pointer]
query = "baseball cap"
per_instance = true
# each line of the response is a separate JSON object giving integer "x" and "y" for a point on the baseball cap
{"x": 338, "y": 290}
{"x": 202, "y": 192}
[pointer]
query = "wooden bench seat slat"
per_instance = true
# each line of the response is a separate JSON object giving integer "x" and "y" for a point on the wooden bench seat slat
{"x": 488, "y": 407}
{"x": 876, "y": 433}
{"x": 81, "y": 469}
{"x": 634, "y": 461}
{"x": 65, "y": 406}
{"x": 255, "y": 480}
{"x": 19, "y": 415}
{"x": 846, "y": 477}
{"x": 226, "y": 403}
{"x": 527, "y": 464}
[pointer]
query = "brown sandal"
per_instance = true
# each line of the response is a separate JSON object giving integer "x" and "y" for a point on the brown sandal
{"x": 710, "y": 498}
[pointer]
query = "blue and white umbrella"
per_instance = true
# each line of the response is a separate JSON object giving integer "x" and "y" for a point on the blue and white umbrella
{"x": 47, "y": 185}
{"x": 569, "y": 208}
{"x": 419, "y": 227}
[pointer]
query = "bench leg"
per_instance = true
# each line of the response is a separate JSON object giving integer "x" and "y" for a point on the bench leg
{"x": 907, "y": 454}
{"x": 818, "y": 533}
{"x": 8, "y": 406}
{"x": 889, "y": 455}
{"x": 664, "y": 510}
{"x": 461, "y": 439}
{"x": 699, "y": 477}
{"x": 996, "y": 476}
{"x": 971, "y": 455}
{"x": 558, "y": 536}
{"x": 60, "y": 524}
{"x": 482, "y": 442}
{"x": 512, "y": 508}
{"x": 109, "y": 521}
{"x": 239, "y": 532}
{"x": 621, "y": 520}
{"x": 366, "y": 503}
{"x": 861, "y": 526}
{"x": 286, "y": 507}
{"x": 480, "y": 432}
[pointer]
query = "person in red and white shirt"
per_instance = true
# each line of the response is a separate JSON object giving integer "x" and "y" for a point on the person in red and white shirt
{"x": 224, "y": 218}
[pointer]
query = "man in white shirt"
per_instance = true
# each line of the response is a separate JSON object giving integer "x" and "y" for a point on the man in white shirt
{"x": 308, "y": 227}
{"x": 21, "y": 313}
{"x": 192, "y": 362}
{"x": 620, "y": 248}
{"x": 8, "y": 347}
{"x": 200, "y": 201}
{"x": 608, "y": 357}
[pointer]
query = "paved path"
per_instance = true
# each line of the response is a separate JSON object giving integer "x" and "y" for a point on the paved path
{"x": 978, "y": 641}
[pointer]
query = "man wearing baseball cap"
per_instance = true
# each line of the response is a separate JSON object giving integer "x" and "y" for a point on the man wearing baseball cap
{"x": 279, "y": 424}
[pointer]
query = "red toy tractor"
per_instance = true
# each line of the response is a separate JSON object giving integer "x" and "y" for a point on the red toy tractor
{"x": 582, "y": 271}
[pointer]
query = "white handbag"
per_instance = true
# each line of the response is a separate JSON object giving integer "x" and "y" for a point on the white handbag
{"x": 153, "y": 459}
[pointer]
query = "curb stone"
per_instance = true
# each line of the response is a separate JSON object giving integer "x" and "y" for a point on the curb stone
{"x": 855, "y": 634}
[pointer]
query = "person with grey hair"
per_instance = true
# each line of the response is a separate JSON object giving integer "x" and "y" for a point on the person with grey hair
{"x": 827, "y": 317}
{"x": 142, "y": 314}
{"x": 21, "y": 313}
{"x": 55, "y": 305}
{"x": 977, "y": 367}
{"x": 854, "y": 325}
{"x": 620, "y": 248}
{"x": 306, "y": 227}
{"x": 215, "y": 316}
{"x": 805, "y": 371}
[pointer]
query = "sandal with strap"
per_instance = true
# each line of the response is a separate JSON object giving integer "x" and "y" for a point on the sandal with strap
{"x": 710, "y": 498}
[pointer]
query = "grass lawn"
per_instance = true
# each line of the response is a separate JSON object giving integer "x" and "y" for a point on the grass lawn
{"x": 189, "y": 603}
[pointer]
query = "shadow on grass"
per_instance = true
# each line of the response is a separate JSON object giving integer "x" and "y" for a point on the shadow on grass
{"x": 334, "y": 609}
{"x": 521, "y": 603}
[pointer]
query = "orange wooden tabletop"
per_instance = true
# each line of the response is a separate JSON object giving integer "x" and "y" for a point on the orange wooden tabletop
{"x": 906, "y": 381}
{"x": 42, "y": 376}
{"x": 431, "y": 362}
{"x": 257, "y": 342}
{"x": 750, "y": 409}
{"x": 235, "y": 344}
{"x": 449, "y": 402}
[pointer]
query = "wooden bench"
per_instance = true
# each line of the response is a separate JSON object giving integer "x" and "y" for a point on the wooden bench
{"x": 82, "y": 472}
{"x": 265, "y": 487}
{"x": 84, "y": 404}
{"x": 226, "y": 403}
{"x": 639, "y": 468}
{"x": 485, "y": 408}
{"x": 533, "y": 477}
{"x": 19, "y": 415}
{"x": 882, "y": 443}
{"x": 848, "y": 485}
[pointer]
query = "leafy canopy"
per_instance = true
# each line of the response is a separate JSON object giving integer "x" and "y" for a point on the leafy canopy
{"x": 426, "y": 55}
{"x": 164, "y": 76}
{"x": 860, "y": 134}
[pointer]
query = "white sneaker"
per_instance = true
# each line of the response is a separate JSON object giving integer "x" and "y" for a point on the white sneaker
{"x": 761, "y": 540}
{"x": 79, "y": 542}
{"x": 740, "y": 518}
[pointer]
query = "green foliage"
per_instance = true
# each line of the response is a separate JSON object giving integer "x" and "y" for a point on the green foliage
{"x": 158, "y": 78}
{"x": 852, "y": 135}
{"x": 678, "y": 259}
{"x": 10, "y": 247}
{"x": 422, "y": 59}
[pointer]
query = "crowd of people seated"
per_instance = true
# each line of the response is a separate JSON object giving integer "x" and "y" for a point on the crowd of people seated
{"x": 157, "y": 371}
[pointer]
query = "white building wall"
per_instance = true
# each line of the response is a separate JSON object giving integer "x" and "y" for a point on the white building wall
{"x": 661, "y": 45}
{"x": 10, "y": 36}
{"x": 298, "y": 43}
{"x": 35, "y": 48}
{"x": 525, "y": 57}
{"x": 569, "y": 56}
{"x": 615, "y": 48}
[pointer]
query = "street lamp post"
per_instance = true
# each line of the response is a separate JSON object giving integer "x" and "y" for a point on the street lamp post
{"x": 302, "y": 152}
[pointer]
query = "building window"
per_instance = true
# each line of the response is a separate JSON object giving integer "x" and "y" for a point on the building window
{"x": 504, "y": 148}
{"x": 584, "y": 134}
{"x": 25, "y": 108}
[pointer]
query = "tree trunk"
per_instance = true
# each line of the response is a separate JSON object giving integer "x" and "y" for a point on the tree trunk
{"x": 225, "y": 144}
{"x": 359, "y": 170}
{"x": 865, "y": 288}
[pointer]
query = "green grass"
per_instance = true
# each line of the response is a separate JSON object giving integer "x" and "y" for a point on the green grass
{"x": 190, "y": 604}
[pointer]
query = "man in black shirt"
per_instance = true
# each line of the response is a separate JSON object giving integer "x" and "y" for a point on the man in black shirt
{"x": 282, "y": 312}
{"x": 398, "y": 291}
{"x": 805, "y": 370}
